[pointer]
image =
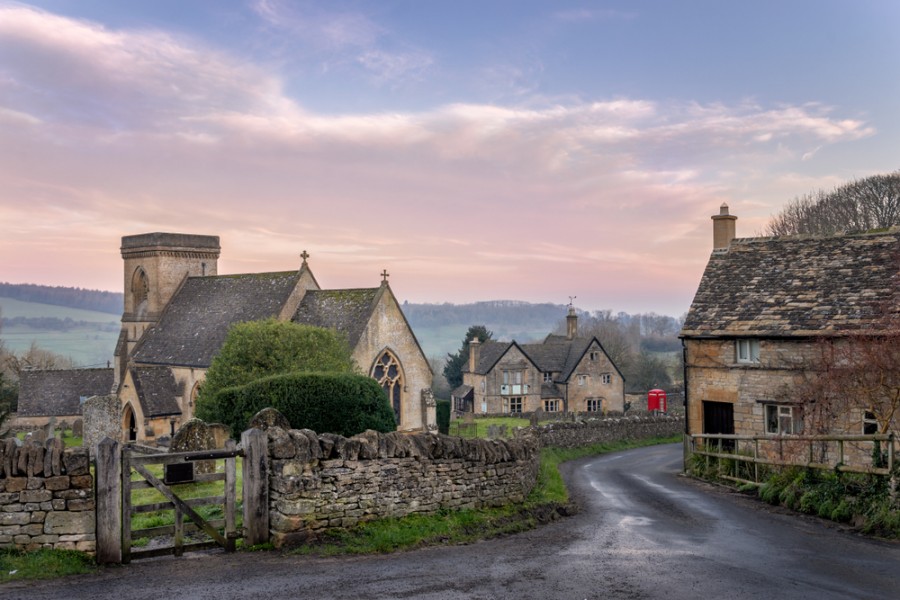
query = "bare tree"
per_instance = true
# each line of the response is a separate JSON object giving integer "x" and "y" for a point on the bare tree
{"x": 861, "y": 205}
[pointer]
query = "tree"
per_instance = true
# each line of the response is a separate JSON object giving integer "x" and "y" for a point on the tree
{"x": 861, "y": 205}
{"x": 647, "y": 372}
{"x": 455, "y": 362}
{"x": 258, "y": 349}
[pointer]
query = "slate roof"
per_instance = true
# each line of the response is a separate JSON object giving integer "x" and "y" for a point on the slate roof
{"x": 59, "y": 392}
{"x": 464, "y": 391}
{"x": 156, "y": 390}
{"x": 347, "y": 311}
{"x": 556, "y": 354}
{"x": 797, "y": 286}
{"x": 196, "y": 321}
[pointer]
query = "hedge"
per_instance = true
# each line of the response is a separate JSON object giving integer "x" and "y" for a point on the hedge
{"x": 341, "y": 403}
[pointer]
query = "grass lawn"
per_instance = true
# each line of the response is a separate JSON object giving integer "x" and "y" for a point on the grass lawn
{"x": 16, "y": 565}
{"x": 68, "y": 439}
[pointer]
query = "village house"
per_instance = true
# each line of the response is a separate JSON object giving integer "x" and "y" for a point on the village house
{"x": 178, "y": 311}
{"x": 561, "y": 374}
{"x": 765, "y": 309}
{"x": 58, "y": 394}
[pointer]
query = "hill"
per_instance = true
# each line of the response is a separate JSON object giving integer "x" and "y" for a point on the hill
{"x": 93, "y": 300}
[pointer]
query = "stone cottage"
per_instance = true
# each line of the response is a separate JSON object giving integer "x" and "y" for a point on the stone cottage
{"x": 561, "y": 374}
{"x": 178, "y": 311}
{"x": 58, "y": 393}
{"x": 755, "y": 330}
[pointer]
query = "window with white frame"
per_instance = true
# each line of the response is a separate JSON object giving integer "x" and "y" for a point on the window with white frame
{"x": 512, "y": 405}
{"x": 483, "y": 385}
{"x": 551, "y": 405}
{"x": 548, "y": 378}
{"x": 595, "y": 355}
{"x": 746, "y": 351}
{"x": 582, "y": 379}
{"x": 783, "y": 419}
{"x": 593, "y": 405}
{"x": 870, "y": 423}
{"x": 606, "y": 379}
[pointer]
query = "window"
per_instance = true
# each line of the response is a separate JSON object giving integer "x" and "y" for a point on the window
{"x": 389, "y": 374}
{"x": 582, "y": 379}
{"x": 551, "y": 405}
{"x": 747, "y": 351}
{"x": 870, "y": 423}
{"x": 594, "y": 405}
{"x": 548, "y": 378}
{"x": 512, "y": 405}
{"x": 783, "y": 419}
{"x": 482, "y": 386}
{"x": 606, "y": 378}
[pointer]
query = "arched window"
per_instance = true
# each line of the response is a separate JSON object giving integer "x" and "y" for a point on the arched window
{"x": 129, "y": 424}
{"x": 140, "y": 290}
{"x": 388, "y": 372}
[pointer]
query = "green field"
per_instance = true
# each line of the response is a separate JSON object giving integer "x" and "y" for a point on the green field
{"x": 89, "y": 343}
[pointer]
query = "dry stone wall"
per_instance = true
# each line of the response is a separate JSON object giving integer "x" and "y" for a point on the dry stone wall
{"x": 323, "y": 481}
{"x": 564, "y": 434}
{"x": 46, "y": 496}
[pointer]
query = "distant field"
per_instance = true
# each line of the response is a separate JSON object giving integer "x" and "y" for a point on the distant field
{"x": 446, "y": 339}
{"x": 90, "y": 343}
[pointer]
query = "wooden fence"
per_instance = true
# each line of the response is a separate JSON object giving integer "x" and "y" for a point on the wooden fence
{"x": 824, "y": 452}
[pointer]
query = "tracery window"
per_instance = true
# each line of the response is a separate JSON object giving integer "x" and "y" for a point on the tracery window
{"x": 140, "y": 290}
{"x": 388, "y": 372}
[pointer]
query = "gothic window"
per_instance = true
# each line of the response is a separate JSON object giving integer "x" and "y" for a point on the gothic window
{"x": 140, "y": 290}
{"x": 389, "y": 374}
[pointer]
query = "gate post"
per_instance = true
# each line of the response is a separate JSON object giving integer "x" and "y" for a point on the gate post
{"x": 256, "y": 486}
{"x": 108, "y": 477}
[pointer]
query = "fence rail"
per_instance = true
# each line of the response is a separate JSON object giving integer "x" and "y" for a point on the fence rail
{"x": 823, "y": 452}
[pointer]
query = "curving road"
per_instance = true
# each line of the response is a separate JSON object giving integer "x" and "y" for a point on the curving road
{"x": 643, "y": 532}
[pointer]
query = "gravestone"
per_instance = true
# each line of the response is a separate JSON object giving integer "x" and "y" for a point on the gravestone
{"x": 78, "y": 428}
{"x": 194, "y": 436}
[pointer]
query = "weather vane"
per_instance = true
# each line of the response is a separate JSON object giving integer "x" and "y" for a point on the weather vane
{"x": 572, "y": 300}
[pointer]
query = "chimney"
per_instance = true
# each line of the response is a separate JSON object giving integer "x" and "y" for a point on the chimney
{"x": 571, "y": 324}
{"x": 474, "y": 347}
{"x": 723, "y": 228}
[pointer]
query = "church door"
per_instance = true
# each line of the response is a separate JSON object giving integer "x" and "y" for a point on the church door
{"x": 388, "y": 372}
{"x": 130, "y": 424}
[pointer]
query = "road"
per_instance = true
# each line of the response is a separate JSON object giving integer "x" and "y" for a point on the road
{"x": 643, "y": 532}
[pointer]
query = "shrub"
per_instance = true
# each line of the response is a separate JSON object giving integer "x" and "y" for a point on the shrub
{"x": 443, "y": 416}
{"x": 341, "y": 403}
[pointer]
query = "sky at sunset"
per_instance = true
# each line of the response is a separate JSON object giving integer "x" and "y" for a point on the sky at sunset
{"x": 477, "y": 150}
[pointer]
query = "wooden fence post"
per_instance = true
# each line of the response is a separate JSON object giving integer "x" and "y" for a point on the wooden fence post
{"x": 108, "y": 476}
{"x": 256, "y": 486}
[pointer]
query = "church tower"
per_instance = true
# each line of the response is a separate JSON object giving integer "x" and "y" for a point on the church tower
{"x": 155, "y": 265}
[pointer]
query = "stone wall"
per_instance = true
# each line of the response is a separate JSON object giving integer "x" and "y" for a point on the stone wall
{"x": 46, "y": 496}
{"x": 563, "y": 434}
{"x": 326, "y": 481}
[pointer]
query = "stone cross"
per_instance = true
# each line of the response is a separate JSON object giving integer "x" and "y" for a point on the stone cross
{"x": 385, "y": 275}
{"x": 304, "y": 255}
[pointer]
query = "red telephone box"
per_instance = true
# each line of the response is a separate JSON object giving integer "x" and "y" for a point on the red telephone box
{"x": 656, "y": 401}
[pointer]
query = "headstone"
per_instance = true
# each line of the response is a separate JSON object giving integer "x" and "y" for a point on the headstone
{"x": 267, "y": 418}
{"x": 50, "y": 429}
{"x": 39, "y": 436}
{"x": 195, "y": 436}
{"x": 102, "y": 418}
{"x": 78, "y": 428}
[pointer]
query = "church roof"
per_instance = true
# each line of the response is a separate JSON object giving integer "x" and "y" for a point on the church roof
{"x": 797, "y": 286}
{"x": 196, "y": 321}
{"x": 60, "y": 392}
{"x": 347, "y": 311}
{"x": 156, "y": 390}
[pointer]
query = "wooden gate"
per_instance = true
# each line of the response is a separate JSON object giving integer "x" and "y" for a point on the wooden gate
{"x": 178, "y": 486}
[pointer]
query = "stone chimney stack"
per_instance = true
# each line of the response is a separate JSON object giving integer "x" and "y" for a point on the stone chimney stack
{"x": 571, "y": 324}
{"x": 474, "y": 347}
{"x": 723, "y": 228}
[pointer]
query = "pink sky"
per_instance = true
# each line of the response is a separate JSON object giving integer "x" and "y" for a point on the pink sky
{"x": 110, "y": 131}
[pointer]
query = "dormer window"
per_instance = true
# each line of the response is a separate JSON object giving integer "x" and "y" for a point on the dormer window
{"x": 548, "y": 378}
{"x": 746, "y": 351}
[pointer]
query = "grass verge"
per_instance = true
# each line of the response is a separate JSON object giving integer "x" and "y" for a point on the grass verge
{"x": 17, "y": 565}
{"x": 548, "y": 501}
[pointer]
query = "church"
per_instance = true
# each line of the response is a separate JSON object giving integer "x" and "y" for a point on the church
{"x": 178, "y": 311}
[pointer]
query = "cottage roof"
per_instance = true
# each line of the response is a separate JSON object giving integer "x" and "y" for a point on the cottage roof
{"x": 196, "y": 321}
{"x": 797, "y": 286}
{"x": 489, "y": 353}
{"x": 156, "y": 390}
{"x": 347, "y": 311}
{"x": 464, "y": 392}
{"x": 59, "y": 392}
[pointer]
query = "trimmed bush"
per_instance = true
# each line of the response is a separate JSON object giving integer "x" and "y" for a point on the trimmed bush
{"x": 443, "y": 416}
{"x": 341, "y": 403}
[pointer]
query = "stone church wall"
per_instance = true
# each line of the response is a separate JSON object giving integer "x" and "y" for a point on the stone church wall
{"x": 46, "y": 496}
{"x": 319, "y": 482}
